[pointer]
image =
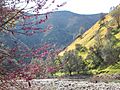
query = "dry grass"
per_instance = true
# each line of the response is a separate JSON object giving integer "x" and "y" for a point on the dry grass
{"x": 88, "y": 38}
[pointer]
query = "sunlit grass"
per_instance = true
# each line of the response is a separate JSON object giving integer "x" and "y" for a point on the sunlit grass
{"x": 88, "y": 38}
{"x": 83, "y": 54}
{"x": 118, "y": 36}
{"x": 60, "y": 74}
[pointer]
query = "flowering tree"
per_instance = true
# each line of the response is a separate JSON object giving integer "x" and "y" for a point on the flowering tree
{"x": 17, "y": 61}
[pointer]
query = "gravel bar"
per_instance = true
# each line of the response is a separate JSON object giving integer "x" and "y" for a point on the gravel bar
{"x": 65, "y": 84}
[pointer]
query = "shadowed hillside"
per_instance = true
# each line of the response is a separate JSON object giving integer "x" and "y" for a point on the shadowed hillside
{"x": 66, "y": 27}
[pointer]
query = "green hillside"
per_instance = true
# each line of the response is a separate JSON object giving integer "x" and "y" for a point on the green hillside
{"x": 102, "y": 43}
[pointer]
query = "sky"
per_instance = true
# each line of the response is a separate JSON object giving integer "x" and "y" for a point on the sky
{"x": 89, "y": 6}
{"x": 79, "y": 6}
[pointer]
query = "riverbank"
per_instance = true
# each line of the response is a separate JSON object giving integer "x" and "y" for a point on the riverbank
{"x": 68, "y": 84}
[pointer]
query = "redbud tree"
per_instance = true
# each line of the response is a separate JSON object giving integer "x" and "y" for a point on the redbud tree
{"x": 21, "y": 17}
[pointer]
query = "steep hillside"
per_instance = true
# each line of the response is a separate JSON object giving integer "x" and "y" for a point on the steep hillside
{"x": 88, "y": 38}
{"x": 98, "y": 47}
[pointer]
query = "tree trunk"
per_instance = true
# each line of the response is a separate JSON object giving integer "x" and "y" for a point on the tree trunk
{"x": 29, "y": 83}
{"x": 118, "y": 22}
{"x": 118, "y": 26}
{"x": 70, "y": 72}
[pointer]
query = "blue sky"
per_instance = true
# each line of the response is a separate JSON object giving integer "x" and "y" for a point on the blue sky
{"x": 89, "y": 6}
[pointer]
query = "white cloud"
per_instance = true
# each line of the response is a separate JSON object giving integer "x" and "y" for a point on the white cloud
{"x": 89, "y": 6}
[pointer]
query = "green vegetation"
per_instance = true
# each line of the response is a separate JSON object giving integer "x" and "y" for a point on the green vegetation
{"x": 97, "y": 51}
{"x": 116, "y": 15}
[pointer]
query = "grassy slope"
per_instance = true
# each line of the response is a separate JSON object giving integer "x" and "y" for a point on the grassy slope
{"x": 88, "y": 40}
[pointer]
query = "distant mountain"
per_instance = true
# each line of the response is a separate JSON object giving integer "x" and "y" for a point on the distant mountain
{"x": 66, "y": 27}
